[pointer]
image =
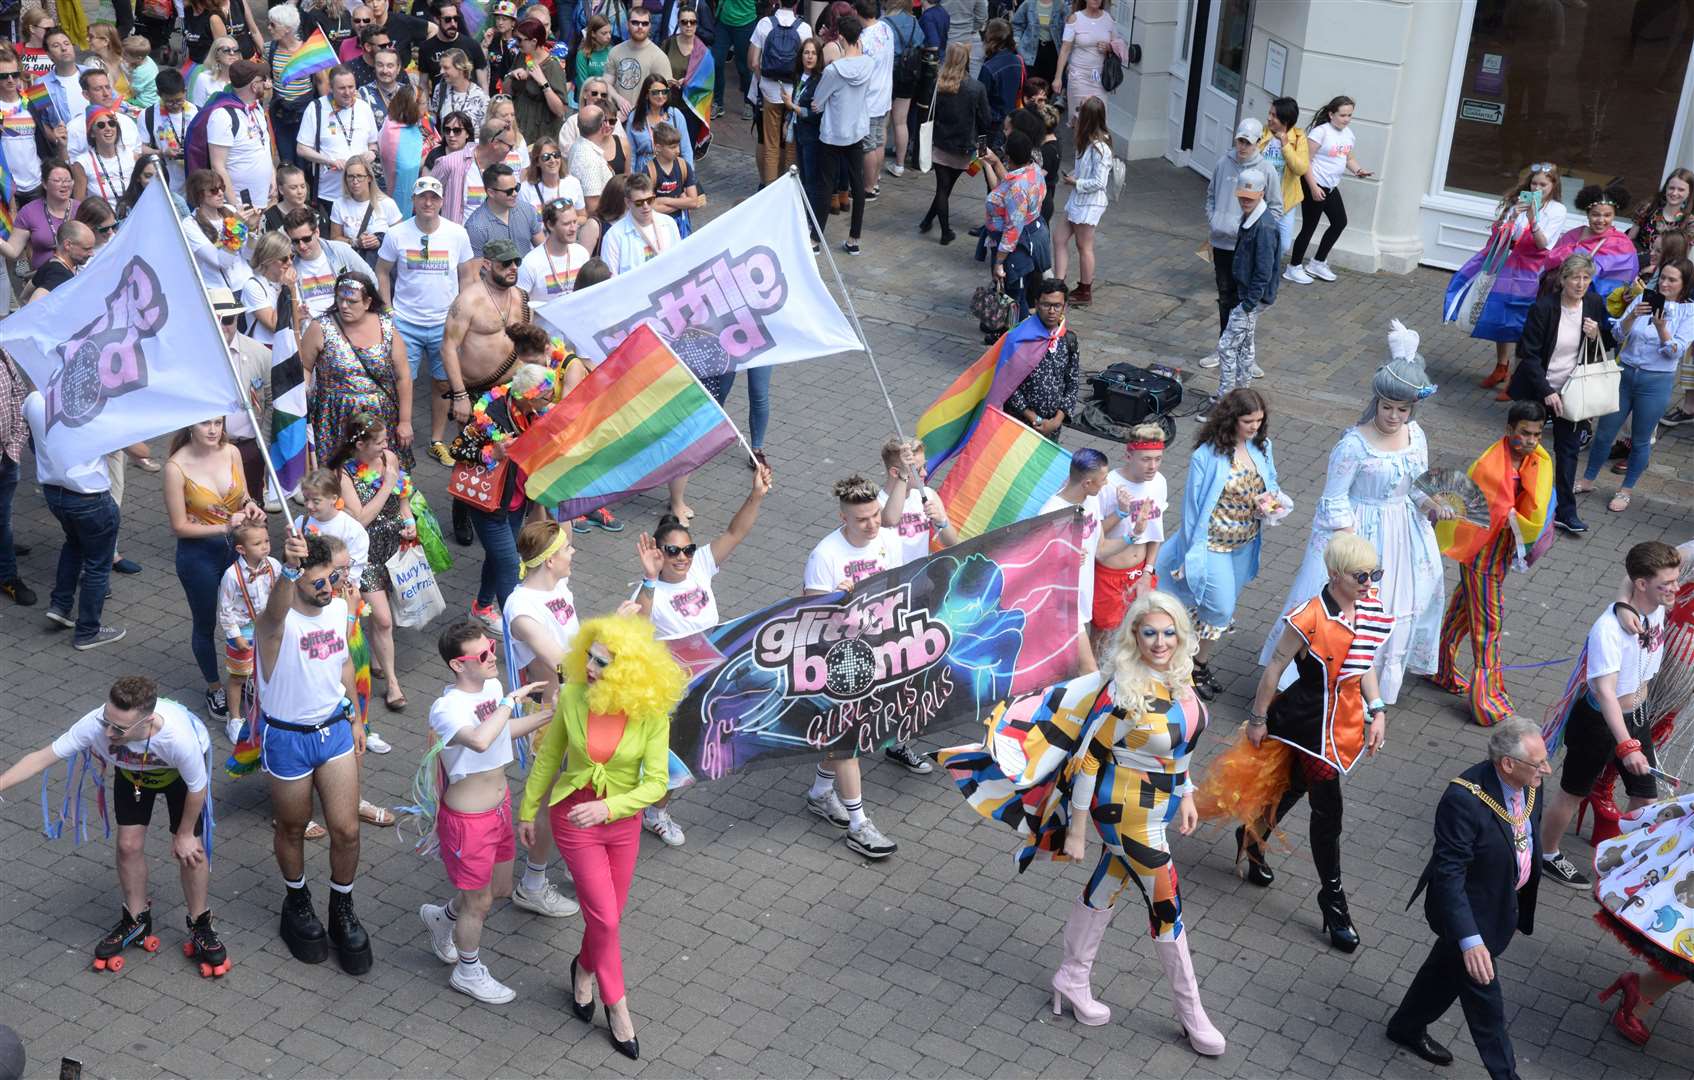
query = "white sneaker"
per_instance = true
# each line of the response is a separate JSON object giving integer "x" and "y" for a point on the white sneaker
{"x": 661, "y": 824}
{"x": 376, "y": 744}
{"x": 1210, "y": 360}
{"x": 1320, "y": 270}
{"x": 440, "y": 928}
{"x": 1297, "y": 274}
{"x": 896, "y": 169}
{"x": 233, "y": 726}
{"x": 549, "y": 902}
{"x": 479, "y": 984}
{"x": 868, "y": 841}
{"x": 828, "y": 806}
{"x": 1254, "y": 371}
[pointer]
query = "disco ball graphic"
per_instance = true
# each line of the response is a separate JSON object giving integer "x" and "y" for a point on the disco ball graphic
{"x": 80, "y": 386}
{"x": 852, "y": 669}
{"x": 701, "y": 351}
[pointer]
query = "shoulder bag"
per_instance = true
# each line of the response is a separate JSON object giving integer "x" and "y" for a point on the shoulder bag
{"x": 1593, "y": 387}
{"x": 926, "y": 133}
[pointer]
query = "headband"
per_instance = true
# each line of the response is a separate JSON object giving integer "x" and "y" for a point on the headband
{"x": 1421, "y": 391}
{"x": 525, "y": 566}
{"x": 1604, "y": 199}
{"x": 1146, "y": 444}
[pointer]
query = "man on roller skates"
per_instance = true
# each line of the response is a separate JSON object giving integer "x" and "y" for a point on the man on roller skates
{"x": 153, "y": 748}
{"x": 310, "y": 739}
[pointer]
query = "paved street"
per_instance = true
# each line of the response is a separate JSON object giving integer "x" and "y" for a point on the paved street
{"x": 764, "y": 947}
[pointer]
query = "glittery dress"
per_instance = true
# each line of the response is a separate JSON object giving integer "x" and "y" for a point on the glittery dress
{"x": 342, "y": 386}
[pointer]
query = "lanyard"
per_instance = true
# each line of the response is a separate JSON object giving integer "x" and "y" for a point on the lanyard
{"x": 552, "y": 270}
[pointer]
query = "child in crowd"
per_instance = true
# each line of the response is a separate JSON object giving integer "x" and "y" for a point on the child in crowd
{"x": 243, "y": 593}
{"x": 326, "y": 513}
{"x": 141, "y": 71}
{"x": 676, "y": 190}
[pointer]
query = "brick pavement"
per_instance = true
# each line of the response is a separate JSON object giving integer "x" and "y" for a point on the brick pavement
{"x": 763, "y": 947}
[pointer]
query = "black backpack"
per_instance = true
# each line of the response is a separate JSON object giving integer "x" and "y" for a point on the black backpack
{"x": 908, "y": 64}
{"x": 780, "y": 56}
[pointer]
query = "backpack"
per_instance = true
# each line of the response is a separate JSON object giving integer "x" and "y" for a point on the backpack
{"x": 196, "y": 151}
{"x": 780, "y": 57}
{"x": 908, "y": 64}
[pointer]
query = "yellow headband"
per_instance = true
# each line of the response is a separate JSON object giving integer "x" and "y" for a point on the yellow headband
{"x": 551, "y": 550}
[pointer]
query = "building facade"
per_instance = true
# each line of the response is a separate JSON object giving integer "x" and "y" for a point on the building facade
{"x": 1455, "y": 98}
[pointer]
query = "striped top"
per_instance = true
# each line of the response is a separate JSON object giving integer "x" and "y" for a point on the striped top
{"x": 289, "y": 90}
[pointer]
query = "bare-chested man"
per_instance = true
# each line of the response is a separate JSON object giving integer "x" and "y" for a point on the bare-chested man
{"x": 1133, "y": 503}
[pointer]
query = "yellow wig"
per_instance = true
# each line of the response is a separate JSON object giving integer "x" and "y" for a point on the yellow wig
{"x": 642, "y": 682}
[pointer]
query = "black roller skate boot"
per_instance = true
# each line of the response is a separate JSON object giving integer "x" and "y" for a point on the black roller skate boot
{"x": 352, "y": 944}
{"x": 130, "y": 930}
{"x": 204, "y": 945}
{"x": 301, "y": 930}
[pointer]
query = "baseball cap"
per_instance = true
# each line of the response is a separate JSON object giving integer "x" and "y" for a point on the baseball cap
{"x": 506, "y": 8}
{"x": 1252, "y": 180}
{"x": 243, "y": 72}
{"x": 1250, "y": 129}
{"x": 428, "y": 184}
{"x": 501, "y": 250}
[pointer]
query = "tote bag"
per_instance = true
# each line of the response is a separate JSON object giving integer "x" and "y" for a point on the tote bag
{"x": 926, "y": 136}
{"x": 417, "y": 597}
{"x": 1593, "y": 387}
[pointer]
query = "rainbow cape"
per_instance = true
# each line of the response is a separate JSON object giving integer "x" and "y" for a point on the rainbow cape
{"x": 946, "y": 426}
{"x": 1528, "y": 514}
{"x": 638, "y": 421}
{"x": 313, "y": 55}
{"x": 1004, "y": 474}
{"x": 697, "y": 97}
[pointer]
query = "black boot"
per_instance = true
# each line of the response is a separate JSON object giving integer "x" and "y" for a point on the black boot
{"x": 1205, "y": 684}
{"x": 301, "y": 930}
{"x": 352, "y": 944}
{"x": 1258, "y": 872}
{"x": 927, "y": 223}
{"x": 947, "y": 233}
{"x": 204, "y": 945}
{"x": 463, "y": 534}
{"x": 1332, "y": 901}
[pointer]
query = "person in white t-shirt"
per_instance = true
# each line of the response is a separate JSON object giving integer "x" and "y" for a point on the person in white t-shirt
{"x": 320, "y": 490}
{"x": 876, "y": 40}
{"x": 640, "y": 234}
{"x": 333, "y": 129}
{"x": 1082, "y": 489}
{"x": 676, "y": 593}
{"x": 776, "y": 153}
{"x": 861, "y": 548}
{"x": 1138, "y": 488}
{"x": 475, "y": 721}
{"x": 1607, "y": 721}
{"x": 153, "y": 748}
{"x": 550, "y": 268}
{"x": 238, "y": 140}
{"x": 318, "y": 261}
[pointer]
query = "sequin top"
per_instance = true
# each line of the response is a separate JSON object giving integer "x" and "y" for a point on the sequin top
{"x": 1234, "y": 523}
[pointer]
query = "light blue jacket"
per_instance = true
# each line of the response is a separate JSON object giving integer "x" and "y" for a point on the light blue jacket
{"x": 1208, "y": 472}
{"x": 1643, "y": 349}
{"x": 1026, "y": 27}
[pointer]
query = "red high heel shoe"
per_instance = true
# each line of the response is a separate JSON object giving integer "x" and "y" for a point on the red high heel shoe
{"x": 1625, "y": 1020}
{"x": 1599, "y": 799}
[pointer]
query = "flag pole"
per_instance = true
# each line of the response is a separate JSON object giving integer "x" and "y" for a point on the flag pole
{"x": 852, "y": 313}
{"x": 229, "y": 362}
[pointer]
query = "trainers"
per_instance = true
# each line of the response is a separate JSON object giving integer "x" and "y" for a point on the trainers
{"x": 870, "y": 196}
{"x": 604, "y": 519}
{"x": 909, "y": 759}
{"x": 1297, "y": 274}
{"x": 1210, "y": 360}
{"x": 1320, "y": 270}
{"x": 661, "y": 824}
{"x": 376, "y": 744}
{"x": 895, "y": 169}
{"x": 103, "y": 636}
{"x": 1570, "y": 523}
{"x": 489, "y": 616}
{"x": 1675, "y": 418}
{"x": 440, "y": 928}
{"x": 717, "y": 110}
{"x": 747, "y": 111}
{"x": 232, "y": 728}
{"x": 478, "y": 983}
{"x": 851, "y": 247}
{"x": 828, "y": 806}
{"x": 1563, "y": 871}
{"x": 217, "y": 702}
{"x": 21, "y": 594}
{"x": 438, "y": 451}
{"x": 549, "y": 901}
{"x": 868, "y": 841}
{"x": 1254, "y": 371}
{"x": 580, "y": 525}
{"x": 126, "y": 566}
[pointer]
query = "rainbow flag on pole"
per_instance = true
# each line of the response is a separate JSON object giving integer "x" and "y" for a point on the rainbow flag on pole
{"x": 313, "y": 55}
{"x": 5, "y": 196}
{"x": 638, "y": 421}
{"x": 1003, "y": 474}
{"x": 947, "y": 425}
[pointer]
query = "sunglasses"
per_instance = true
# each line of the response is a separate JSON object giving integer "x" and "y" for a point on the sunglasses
{"x": 659, "y": 91}
{"x": 595, "y": 94}
{"x": 456, "y": 130}
{"x": 486, "y": 656}
{"x": 302, "y": 241}
{"x": 229, "y": 320}
{"x": 106, "y": 230}
{"x": 449, "y": 19}
{"x": 687, "y": 22}
{"x": 335, "y": 578}
{"x": 513, "y": 190}
{"x": 644, "y": 22}
{"x": 1367, "y": 576}
{"x": 9, "y": 74}
{"x": 230, "y": 49}
{"x": 117, "y": 732}
{"x": 648, "y": 201}
{"x": 551, "y": 155}
{"x": 361, "y": 22}
{"x": 673, "y": 550}
{"x": 110, "y": 125}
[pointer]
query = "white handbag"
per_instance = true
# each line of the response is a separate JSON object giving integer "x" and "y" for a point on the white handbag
{"x": 1593, "y": 387}
{"x": 926, "y": 133}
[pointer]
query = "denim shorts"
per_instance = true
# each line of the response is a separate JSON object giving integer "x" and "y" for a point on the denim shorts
{"x": 423, "y": 341}
{"x": 877, "y": 137}
{"x": 295, "y": 755}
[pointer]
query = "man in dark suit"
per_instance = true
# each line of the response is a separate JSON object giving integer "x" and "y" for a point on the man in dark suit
{"x": 1482, "y": 880}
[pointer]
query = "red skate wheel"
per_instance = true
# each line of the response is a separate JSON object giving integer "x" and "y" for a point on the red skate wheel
{"x": 205, "y": 970}
{"x": 99, "y": 964}
{"x": 115, "y": 964}
{"x": 150, "y": 943}
{"x": 188, "y": 948}
{"x": 222, "y": 969}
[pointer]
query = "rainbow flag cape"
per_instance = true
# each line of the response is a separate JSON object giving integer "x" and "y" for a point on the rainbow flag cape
{"x": 697, "y": 98}
{"x": 313, "y": 55}
{"x": 5, "y": 195}
{"x": 947, "y": 425}
{"x": 638, "y": 421}
{"x": 1529, "y": 515}
{"x": 1004, "y": 474}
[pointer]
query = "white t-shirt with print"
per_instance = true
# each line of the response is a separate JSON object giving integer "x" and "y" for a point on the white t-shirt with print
{"x": 346, "y": 528}
{"x": 877, "y": 41}
{"x": 1090, "y": 545}
{"x": 1612, "y": 650}
{"x": 1155, "y": 490}
{"x": 553, "y": 611}
{"x": 835, "y": 560}
{"x": 337, "y": 134}
{"x": 538, "y": 194}
{"x": 458, "y": 710}
{"x": 545, "y": 276}
{"x": 914, "y": 524}
{"x": 349, "y": 213}
{"x": 180, "y": 743}
{"x": 249, "y": 162}
{"x": 426, "y": 269}
{"x": 1329, "y": 153}
{"x": 688, "y": 606}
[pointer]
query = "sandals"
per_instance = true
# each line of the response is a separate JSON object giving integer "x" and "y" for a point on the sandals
{"x": 1583, "y": 487}
{"x": 314, "y": 831}
{"x": 372, "y": 814}
{"x": 1620, "y": 502}
{"x": 395, "y": 704}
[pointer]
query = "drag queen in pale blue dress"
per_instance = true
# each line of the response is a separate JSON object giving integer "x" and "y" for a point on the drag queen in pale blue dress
{"x": 1369, "y": 491}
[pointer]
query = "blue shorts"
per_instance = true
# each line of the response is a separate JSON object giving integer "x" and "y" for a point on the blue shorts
{"x": 422, "y": 341}
{"x": 295, "y": 755}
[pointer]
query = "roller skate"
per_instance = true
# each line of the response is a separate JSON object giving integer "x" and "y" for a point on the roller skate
{"x": 301, "y": 930}
{"x": 352, "y": 944}
{"x": 129, "y": 931}
{"x": 204, "y": 946}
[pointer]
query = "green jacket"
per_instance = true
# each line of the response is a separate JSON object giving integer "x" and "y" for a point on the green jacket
{"x": 636, "y": 777}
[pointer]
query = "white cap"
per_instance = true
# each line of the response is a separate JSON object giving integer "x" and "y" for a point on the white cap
{"x": 1252, "y": 180}
{"x": 1250, "y": 129}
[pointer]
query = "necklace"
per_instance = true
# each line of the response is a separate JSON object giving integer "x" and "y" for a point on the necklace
{"x": 504, "y": 307}
{"x": 1520, "y": 836}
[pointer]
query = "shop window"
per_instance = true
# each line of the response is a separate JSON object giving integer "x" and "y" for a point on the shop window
{"x": 1592, "y": 88}
{"x": 1229, "y": 58}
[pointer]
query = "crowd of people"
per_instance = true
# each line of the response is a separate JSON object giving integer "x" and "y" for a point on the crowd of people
{"x": 409, "y": 204}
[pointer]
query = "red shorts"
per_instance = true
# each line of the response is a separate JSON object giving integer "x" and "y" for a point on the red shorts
{"x": 472, "y": 845}
{"x": 1112, "y": 588}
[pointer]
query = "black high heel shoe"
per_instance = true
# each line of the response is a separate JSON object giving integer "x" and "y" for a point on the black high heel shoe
{"x": 1337, "y": 921}
{"x": 585, "y": 1013}
{"x": 1258, "y": 873}
{"x": 630, "y": 1049}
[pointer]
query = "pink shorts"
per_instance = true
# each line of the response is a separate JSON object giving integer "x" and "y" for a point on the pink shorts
{"x": 472, "y": 845}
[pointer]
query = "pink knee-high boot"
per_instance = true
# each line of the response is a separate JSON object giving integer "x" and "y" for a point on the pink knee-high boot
{"x": 1179, "y": 969}
{"x": 1083, "y": 931}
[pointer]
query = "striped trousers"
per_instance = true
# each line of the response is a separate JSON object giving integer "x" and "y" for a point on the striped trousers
{"x": 1475, "y": 609}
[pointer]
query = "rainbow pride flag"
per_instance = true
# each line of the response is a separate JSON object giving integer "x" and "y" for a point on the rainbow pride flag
{"x": 948, "y": 424}
{"x": 475, "y": 14}
{"x": 697, "y": 98}
{"x": 37, "y": 95}
{"x": 313, "y": 55}
{"x": 638, "y": 421}
{"x": 1528, "y": 511}
{"x": 5, "y": 194}
{"x": 1004, "y": 474}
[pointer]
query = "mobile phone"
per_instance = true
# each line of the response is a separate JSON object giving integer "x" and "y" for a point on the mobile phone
{"x": 1655, "y": 300}
{"x": 981, "y": 145}
{"x": 70, "y": 1069}
{"x": 246, "y": 199}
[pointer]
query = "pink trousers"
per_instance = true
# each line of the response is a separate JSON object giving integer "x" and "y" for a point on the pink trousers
{"x": 602, "y": 864}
